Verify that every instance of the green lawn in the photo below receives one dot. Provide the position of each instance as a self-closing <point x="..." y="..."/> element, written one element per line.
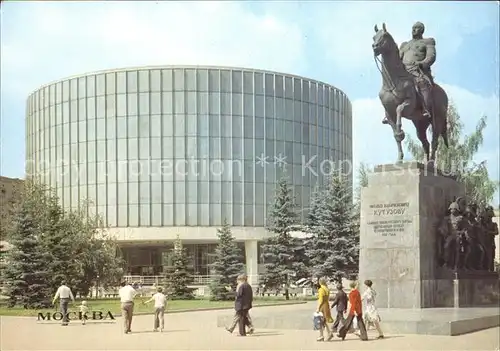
<point x="113" y="305"/>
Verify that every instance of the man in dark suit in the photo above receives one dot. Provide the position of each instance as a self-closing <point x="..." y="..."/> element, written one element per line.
<point x="243" y="303"/>
<point x="340" y="302"/>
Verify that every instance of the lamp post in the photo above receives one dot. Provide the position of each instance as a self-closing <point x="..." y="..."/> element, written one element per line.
<point x="97" y="287"/>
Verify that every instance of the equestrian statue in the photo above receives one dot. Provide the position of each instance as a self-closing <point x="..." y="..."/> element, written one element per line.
<point x="408" y="88"/>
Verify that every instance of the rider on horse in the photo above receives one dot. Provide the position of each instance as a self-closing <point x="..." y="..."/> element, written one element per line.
<point x="418" y="55"/>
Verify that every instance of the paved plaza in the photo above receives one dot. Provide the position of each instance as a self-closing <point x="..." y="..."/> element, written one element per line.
<point x="198" y="331"/>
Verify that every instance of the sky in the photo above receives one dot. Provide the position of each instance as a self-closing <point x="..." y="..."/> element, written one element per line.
<point x="327" y="41"/>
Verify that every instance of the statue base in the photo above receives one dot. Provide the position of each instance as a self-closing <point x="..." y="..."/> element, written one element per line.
<point x="400" y="210"/>
<point x="426" y="321"/>
<point x="464" y="288"/>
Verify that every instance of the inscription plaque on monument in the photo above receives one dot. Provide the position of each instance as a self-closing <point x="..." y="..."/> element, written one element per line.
<point x="389" y="218"/>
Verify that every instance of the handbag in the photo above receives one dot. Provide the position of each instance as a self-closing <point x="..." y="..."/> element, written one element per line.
<point x="317" y="321"/>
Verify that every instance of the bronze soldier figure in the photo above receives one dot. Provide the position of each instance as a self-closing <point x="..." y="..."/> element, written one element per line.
<point x="418" y="55"/>
<point x="451" y="230"/>
<point x="490" y="230"/>
<point x="454" y="246"/>
<point x="475" y="253"/>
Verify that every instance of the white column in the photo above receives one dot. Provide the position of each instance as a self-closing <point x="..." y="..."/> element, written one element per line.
<point x="252" y="261"/>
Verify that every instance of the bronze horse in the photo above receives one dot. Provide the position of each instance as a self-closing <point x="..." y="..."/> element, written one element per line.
<point x="401" y="99"/>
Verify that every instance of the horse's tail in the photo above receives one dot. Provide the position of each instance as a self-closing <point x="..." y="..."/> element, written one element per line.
<point x="444" y="133"/>
<point x="444" y="111"/>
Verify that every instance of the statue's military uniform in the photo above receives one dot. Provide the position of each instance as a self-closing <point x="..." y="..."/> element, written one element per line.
<point x="455" y="225"/>
<point x="490" y="230"/>
<point x="418" y="55"/>
<point x="423" y="51"/>
<point x="475" y="256"/>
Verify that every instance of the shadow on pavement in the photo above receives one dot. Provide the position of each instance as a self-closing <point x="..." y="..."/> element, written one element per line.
<point x="163" y="332"/>
<point x="389" y="337"/>
<point x="265" y="334"/>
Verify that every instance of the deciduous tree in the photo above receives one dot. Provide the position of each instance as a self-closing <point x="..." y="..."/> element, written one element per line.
<point x="459" y="159"/>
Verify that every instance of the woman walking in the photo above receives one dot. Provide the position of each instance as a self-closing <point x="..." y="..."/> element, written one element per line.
<point x="371" y="313"/>
<point x="324" y="308"/>
<point x="355" y="311"/>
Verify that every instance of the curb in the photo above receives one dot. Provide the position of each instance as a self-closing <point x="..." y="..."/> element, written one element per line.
<point x="215" y="308"/>
<point x="190" y="310"/>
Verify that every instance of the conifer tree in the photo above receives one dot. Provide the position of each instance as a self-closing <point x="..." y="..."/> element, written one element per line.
<point x="73" y="246"/>
<point x="280" y="251"/>
<point x="227" y="266"/>
<point x="179" y="278"/>
<point x="58" y="240"/>
<point x="333" y="246"/>
<point x="26" y="274"/>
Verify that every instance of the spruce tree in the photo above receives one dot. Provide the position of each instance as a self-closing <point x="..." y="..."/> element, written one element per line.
<point x="227" y="266"/>
<point x="179" y="279"/>
<point x="26" y="275"/>
<point x="333" y="246"/>
<point x="281" y="252"/>
<point x="75" y="248"/>
<point x="59" y="240"/>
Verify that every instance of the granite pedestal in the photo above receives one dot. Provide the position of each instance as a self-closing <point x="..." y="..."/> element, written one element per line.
<point x="400" y="210"/>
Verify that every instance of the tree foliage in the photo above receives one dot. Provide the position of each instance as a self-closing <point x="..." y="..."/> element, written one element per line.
<point x="282" y="254"/>
<point x="459" y="158"/>
<point x="363" y="171"/>
<point x="26" y="273"/>
<point x="100" y="258"/>
<point x="179" y="278"/>
<point x="333" y="246"/>
<point x="73" y="244"/>
<point x="227" y="266"/>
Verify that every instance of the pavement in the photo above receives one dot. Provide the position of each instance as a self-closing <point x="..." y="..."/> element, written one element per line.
<point x="198" y="331"/>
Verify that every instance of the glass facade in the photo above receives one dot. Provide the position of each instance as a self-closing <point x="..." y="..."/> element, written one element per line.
<point x="156" y="260"/>
<point x="185" y="146"/>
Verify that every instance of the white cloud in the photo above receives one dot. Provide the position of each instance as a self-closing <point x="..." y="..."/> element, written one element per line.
<point x="81" y="37"/>
<point x="347" y="28"/>
<point x="48" y="41"/>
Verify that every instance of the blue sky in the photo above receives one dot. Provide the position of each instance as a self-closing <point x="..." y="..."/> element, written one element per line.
<point x="329" y="41"/>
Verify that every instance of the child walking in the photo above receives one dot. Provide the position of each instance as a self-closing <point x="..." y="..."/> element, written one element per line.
<point x="83" y="309"/>
<point x="160" y="303"/>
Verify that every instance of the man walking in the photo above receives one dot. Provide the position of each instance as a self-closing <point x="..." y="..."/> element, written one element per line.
<point x="127" y="294"/>
<point x="340" y="302"/>
<point x="243" y="303"/>
<point x="64" y="294"/>
<point x="160" y="302"/>
<point x="248" y="320"/>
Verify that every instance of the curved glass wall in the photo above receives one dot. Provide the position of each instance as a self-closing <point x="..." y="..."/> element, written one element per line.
<point x="185" y="146"/>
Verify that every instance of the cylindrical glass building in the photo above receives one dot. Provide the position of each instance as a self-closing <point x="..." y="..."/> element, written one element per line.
<point x="162" y="151"/>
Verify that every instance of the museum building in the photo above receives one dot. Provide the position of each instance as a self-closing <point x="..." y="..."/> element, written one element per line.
<point x="171" y="151"/>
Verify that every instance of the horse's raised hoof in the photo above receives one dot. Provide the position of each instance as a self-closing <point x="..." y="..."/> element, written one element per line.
<point x="385" y="121"/>
<point x="399" y="136"/>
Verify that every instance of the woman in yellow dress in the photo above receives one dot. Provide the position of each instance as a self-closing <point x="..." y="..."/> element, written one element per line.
<point x="324" y="308"/>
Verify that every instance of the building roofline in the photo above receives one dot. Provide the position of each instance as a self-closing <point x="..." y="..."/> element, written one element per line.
<point x="140" y="68"/>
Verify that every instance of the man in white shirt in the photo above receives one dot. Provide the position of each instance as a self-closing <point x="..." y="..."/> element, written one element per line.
<point x="160" y="302"/>
<point x="127" y="294"/>
<point x="64" y="294"/>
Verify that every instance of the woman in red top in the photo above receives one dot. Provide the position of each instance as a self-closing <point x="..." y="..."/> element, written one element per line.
<point x="355" y="310"/>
